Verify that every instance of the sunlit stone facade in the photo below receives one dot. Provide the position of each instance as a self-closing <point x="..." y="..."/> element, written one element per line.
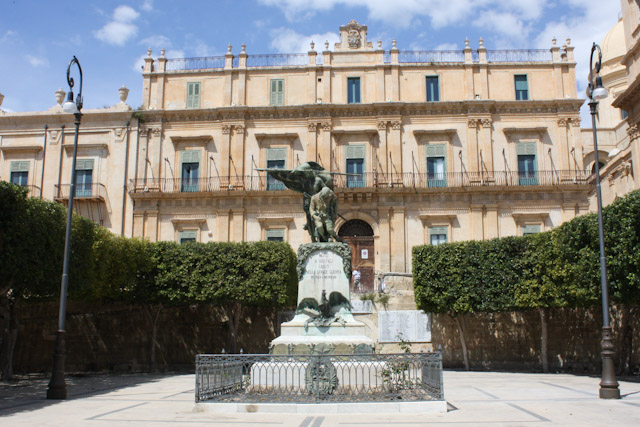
<point x="428" y="147"/>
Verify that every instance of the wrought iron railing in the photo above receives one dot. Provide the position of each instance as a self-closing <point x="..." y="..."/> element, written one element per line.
<point x="523" y="55"/>
<point x="428" y="56"/>
<point x="307" y="378"/>
<point x="202" y="63"/>
<point x="278" y="60"/>
<point x="82" y="191"/>
<point x="34" y="191"/>
<point x="371" y="180"/>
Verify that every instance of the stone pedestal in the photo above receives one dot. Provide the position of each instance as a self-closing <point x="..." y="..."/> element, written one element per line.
<point x="323" y="267"/>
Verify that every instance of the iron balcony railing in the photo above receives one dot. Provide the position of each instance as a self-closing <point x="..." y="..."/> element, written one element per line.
<point x="406" y="57"/>
<point x="82" y="191"/>
<point x="429" y="56"/>
<point x="371" y="180"/>
<point x="314" y="378"/>
<point x="525" y="55"/>
<point x="202" y="63"/>
<point x="278" y="60"/>
<point x="34" y="191"/>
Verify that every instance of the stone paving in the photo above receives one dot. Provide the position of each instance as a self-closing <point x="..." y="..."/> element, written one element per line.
<point x="474" y="398"/>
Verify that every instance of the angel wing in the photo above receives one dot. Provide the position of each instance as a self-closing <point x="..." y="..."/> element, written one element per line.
<point x="306" y="304"/>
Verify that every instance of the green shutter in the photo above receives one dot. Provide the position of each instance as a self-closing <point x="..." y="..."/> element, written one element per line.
<point x="84" y="164"/>
<point x="355" y="152"/>
<point x="439" y="150"/>
<point x="438" y="230"/>
<point x="277" y="92"/>
<point x="193" y="95"/>
<point x="530" y="229"/>
<point x="521" y="82"/>
<point x="191" y="156"/>
<point x="277" y="154"/>
<point x="523" y="148"/>
<point x="188" y="235"/>
<point x="275" y="234"/>
<point x="19" y="166"/>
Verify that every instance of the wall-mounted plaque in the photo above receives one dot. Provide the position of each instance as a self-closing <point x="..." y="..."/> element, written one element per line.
<point x="408" y="325"/>
<point x="364" y="254"/>
<point x="359" y="306"/>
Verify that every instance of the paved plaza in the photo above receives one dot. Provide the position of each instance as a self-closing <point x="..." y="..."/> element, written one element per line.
<point x="474" y="398"/>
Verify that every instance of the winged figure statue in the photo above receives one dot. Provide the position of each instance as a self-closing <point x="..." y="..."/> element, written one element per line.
<point x="326" y="312"/>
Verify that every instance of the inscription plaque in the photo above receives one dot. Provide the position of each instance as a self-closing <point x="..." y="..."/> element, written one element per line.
<point x="409" y="325"/>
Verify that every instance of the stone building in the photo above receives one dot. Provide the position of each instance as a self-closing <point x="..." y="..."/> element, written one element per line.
<point x="427" y="147"/>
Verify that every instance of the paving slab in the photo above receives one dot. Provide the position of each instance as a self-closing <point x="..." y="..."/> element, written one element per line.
<point x="473" y="398"/>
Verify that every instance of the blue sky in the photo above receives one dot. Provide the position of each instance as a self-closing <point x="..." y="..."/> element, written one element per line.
<point x="110" y="38"/>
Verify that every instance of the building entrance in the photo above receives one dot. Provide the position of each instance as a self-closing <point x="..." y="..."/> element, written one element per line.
<point x="359" y="235"/>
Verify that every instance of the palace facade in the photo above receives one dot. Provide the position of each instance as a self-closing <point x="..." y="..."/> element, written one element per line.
<point x="427" y="147"/>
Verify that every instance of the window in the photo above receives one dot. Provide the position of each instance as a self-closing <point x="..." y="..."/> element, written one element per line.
<point x="354" y="154"/>
<point x="353" y="90"/>
<point x="20" y="173"/>
<point x="190" y="171"/>
<point x="433" y="92"/>
<point x="277" y="92"/>
<point x="84" y="177"/>
<point x="437" y="235"/>
<point x="436" y="166"/>
<point x="193" y="95"/>
<point x="275" y="235"/>
<point x="276" y="159"/>
<point x="188" y="236"/>
<point x="527" y="170"/>
<point x="522" y="87"/>
<point x="528" y="230"/>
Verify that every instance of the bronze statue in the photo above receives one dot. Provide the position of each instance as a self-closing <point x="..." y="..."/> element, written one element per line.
<point x="319" y="201"/>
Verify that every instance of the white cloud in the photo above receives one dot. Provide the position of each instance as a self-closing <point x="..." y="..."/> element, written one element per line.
<point x="37" y="61"/>
<point x="169" y="54"/>
<point x="147" y="5"/>
<point x="121" y="28"/>
<point x="156" y="41"/>
<point x="10" y="34"/>
<point x="286" y="40"/>
<point x="503" y="23"/>
<point x="447" y="46"/>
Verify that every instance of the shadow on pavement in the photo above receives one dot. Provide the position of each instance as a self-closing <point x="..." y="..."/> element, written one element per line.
<point x="28" y="394"/>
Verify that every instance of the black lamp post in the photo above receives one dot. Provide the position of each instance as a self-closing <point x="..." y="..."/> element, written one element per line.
<point x="57" y="386"/>
<point x="608" y="384"/>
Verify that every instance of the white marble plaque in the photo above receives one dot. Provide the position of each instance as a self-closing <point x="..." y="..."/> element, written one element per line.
<point x="410" y="325"/>
<point x="323" y="271"/>
<point x="359" y="306"/>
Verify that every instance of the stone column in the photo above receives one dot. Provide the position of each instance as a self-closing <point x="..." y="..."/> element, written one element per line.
<point x="324" y="149"/>
<point x="487" y="144"/>
<point x="236" y="233"/>
<point x="563" y="145"/>
<point x="154" y="154"/>
<point x="225" y="151"/>
<point x="312" y="145"/>
<point x="397" y="246"/>
<point x="396" y="149"/>
<point x="476" y="222"/>
<point x="493" y="226"/>
<point x="383" y="151"/>
<point x="222" y="225"/>
<point x="237" y="153"/>
<point x="228" y="77"/>
<point x="472" y="145"/>
<point x="385" y="238"/>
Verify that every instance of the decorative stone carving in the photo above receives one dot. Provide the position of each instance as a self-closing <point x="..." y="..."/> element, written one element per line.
<point x="633" y="131"/>
<point x="226" y="129"/>
<point x="156" y="132"/>
<point x="472" y="123"/>
<point x="239" y="129"/>
<point x="341" y="249"/>
<point x="486" y="123"/>
<point x="353" y="36"/>
<point x="382" y="125"/>
<point x="312" y="127"/>
<point x="123" y="93"/>
<point x="396" y="125"/>
<point x="59" y="96"/>
<point x="326" y="127"/>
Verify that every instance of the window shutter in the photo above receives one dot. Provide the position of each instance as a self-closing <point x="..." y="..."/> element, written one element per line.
<point x="193" y="95"/>
<point x="191" y="156"/>
<point x="84" y="164"/>
<point x="276" y="154"/>
<point x="275" y="234"/>
<point x="355" y="151"/>
<point x="277" y="92"/>
<point x="19" y="166"/>
<point x="521" y="82"/>
<point x="530" y="229"/>
<point x="280" y="91"/>
<point x="436" y="150"/>
<point x="438" y="230"/>
<point x="524" y="148"/>
<point x="189" y="234"/>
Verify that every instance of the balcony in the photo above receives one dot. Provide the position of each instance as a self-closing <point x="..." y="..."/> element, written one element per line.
<point x="96" y="192"/>
<point x="370" y="180"/>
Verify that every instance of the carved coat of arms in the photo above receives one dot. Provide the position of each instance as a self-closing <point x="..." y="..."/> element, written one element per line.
<point x="354" y="38"/>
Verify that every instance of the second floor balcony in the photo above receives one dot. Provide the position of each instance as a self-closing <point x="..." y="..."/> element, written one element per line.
<point x="88" y="191"/>
<point x="371" y="180"/>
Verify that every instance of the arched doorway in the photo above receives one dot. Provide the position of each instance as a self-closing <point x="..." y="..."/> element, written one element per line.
<point x="359" y="235"/>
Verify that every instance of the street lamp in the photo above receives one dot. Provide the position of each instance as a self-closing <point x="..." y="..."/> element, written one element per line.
<point x="57" y="386"/>
<point x="608" y="384"/>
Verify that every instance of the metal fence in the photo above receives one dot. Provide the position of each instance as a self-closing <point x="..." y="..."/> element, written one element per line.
<point x="260" y="182"/>
<point x="429" y="56"/>
<point x="202" y="63"/>
<point x="278" y="60"/>
<point x="309" y="378"/>
<point x="82" y="191"/>
<point x="522" y="55"/>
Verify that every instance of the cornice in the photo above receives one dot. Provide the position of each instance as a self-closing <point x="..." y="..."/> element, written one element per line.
<point x="629" y="96"/>
<point x="379" y="109"/>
